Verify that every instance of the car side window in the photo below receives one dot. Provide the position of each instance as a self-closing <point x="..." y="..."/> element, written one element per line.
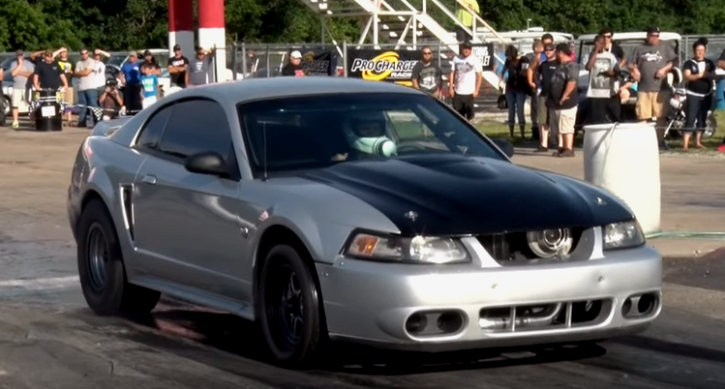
<point x="151" y="132"/>
<point x="197" y="126"/>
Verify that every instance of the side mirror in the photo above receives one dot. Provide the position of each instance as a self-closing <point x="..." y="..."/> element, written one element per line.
<point x="207" y="163"/>
<point x="505" y="146"/>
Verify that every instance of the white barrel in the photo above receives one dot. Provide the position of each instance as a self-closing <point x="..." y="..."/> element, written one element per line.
<point x="624" y="159"/>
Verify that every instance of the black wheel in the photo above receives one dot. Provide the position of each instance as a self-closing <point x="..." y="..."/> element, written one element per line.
<point x="289" y="308"/>
<point x="101" y="270"/>
<point x="711" y="127"/>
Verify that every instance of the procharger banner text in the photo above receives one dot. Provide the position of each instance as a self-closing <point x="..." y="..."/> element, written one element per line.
<point x="318" y="61"/>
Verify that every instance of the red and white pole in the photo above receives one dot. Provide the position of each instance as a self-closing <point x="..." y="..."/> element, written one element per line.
<point x="212" y="34"/>
<point x="181" y="26"/>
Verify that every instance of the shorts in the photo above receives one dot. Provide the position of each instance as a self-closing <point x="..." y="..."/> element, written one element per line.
<point x="148" y="101"/>
<point x="562" y="121"/>
<point x="542" y="113"/>
<point x="651" y="105"/>
<point x="19" y="99"/>
<point x="463" y="104"/>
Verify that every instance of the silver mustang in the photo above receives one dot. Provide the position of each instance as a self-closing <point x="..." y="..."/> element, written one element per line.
<point x="348" y="210"/>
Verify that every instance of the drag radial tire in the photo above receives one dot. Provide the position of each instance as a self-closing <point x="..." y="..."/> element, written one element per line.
<point x="101" y="269"/>
<point x="289" y="308"/>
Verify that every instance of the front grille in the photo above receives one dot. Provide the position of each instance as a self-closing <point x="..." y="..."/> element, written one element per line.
<point x="542" y="317"/>
<point x="513" y="248"/>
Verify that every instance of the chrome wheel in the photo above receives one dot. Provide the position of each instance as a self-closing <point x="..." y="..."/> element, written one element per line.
<point x="97" y="257"/>
<point x="286" y="308"/>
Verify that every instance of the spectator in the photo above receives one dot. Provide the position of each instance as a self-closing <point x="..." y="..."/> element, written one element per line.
<point x="605" y="105"/>
<point x="131" y="78"/>
<point x="149" y="62"/>
<point x="562" y="98"/>
<point x="464" y="14"/>
<point x="653" y="60"/>
<point x="150" y="86"/>
<point x="517" y="87"/>
<point x="69" y="98"/>
<point x="98" y="54"/>
<point x="294" y="67"/>
<point x="178" y="66"/>
<point x="86" y="72"/>
<point x="538" y="49"/>
<point x="21" y="70"/>
<point x="48" y="74"/>
<point x="611" y="47"/>
<point x="544" y="74"/>
<point x="36" y="57"/>
<point x="698" y="71"/>
<point x="252" y="61"/>
<point x="426" y="75"/>
<point x="465" y="79"/>
<point x="546" y="39"/>
<point x="200" y="67"/>
<point x="721" y="65"/>
<point x="111" y="100"/>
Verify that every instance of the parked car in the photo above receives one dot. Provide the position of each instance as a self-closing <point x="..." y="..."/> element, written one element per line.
<point x="340" y="209"/>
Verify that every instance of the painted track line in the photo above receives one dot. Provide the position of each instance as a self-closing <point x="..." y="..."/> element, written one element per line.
<point x="38" y="284"/>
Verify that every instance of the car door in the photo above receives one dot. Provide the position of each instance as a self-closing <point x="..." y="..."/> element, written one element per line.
<point x="187" y="224"/>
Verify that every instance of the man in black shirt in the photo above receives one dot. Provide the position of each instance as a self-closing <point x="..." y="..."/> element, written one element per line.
<point x="178" y="65"/>
<point x="563" y="99"/>
<point x="426" y="75"/>
<point x="48" y="74"/>
<point x="294" y="67"/>
<point x="543" y="73"/>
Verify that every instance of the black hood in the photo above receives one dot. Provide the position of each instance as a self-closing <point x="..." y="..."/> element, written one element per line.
<point x="456" y="195"/>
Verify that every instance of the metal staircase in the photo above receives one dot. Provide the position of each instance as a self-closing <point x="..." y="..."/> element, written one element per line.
<point x="406" y="23"/>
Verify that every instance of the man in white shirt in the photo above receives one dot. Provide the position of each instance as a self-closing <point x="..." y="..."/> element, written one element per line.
<point x="100" y="72"/>
<point x="465" y="80"/>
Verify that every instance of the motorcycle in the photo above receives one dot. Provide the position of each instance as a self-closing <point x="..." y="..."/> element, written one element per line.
<point x="677" y="116"/>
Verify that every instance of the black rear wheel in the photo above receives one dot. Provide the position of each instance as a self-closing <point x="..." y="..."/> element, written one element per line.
<point x="289" y="308"/>
<point x="101" y="269"/>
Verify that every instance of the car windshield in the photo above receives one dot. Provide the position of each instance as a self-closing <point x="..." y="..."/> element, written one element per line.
<point x="627" y="46"/>
<point x="317" y="131"/>
<point x="117" y="59"/>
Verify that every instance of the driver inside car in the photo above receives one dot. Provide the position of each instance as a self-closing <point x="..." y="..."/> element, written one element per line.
<point x="367" y="138"/>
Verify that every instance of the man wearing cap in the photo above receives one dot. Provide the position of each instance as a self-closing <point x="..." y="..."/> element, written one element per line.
<point x="465" y="80"/>
<point x="85" y="72"/>
<point x="294" y="67"/>
<point x="653" y="60"/>
<point x="21" y="70"/>
<point x="178" y="68"/>
<point x="563" y="100"/>
<point x="131" y="77"/>
<point x="541" y="83"/>
<point x="199" y="67"/>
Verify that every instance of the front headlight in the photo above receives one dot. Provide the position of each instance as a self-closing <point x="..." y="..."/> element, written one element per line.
<point x="623" y="235"/>
<point x="419" y="249"/>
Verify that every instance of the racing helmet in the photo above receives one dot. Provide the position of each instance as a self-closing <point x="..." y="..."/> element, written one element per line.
<point x="366" y="133"/>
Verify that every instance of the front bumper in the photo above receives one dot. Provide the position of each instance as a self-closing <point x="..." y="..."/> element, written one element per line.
<point x="370" y="303"/>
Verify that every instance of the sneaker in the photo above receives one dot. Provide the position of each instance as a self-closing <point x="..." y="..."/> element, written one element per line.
<point x="566" y="153"/>
<point x="16" y="124"/>
<point x="721" y="149"/>
<point x="542" y="149"/>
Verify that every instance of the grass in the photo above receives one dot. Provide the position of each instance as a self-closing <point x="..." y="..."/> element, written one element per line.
<point x="500" y="130"/>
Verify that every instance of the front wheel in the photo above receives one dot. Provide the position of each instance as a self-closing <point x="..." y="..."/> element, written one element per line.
<point x="289" y="307"/>
<point x="101" y="269"/>
<point x="711" y="127"/>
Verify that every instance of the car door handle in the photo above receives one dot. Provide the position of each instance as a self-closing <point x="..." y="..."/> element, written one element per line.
<point x="149" y="179"/>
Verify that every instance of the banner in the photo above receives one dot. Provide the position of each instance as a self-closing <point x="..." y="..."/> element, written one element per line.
<point x="318" y="61"/>
<point x="485" y="52"/>
<point x="382" y="65"/>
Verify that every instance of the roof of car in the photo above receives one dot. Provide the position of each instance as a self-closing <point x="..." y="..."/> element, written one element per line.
<point x="665" y="36"/>
<point x="263" y="88"/>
